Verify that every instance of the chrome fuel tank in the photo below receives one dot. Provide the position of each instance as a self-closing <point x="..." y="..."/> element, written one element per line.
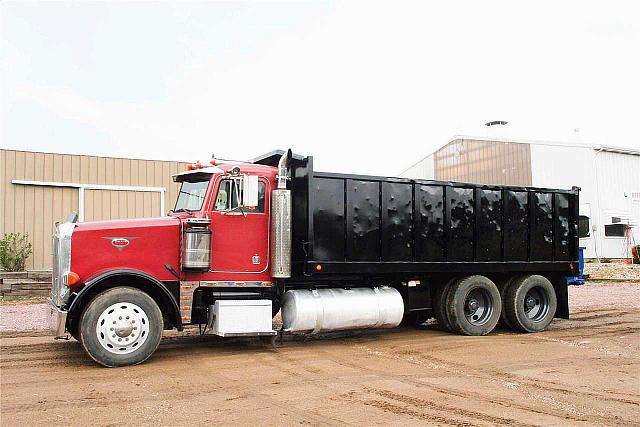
<point x="324" y="310"/>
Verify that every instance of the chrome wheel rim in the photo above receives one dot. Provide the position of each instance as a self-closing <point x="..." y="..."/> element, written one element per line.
<point x="536" y="304"/>
<point x="122" y="328"/>
<point x="478" y="306"/>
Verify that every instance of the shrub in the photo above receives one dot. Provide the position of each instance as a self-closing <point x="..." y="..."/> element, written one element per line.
<point x="15" y="248"/>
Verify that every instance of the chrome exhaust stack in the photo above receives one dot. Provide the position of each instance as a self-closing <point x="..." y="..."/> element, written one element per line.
<point x="281" y="222"/>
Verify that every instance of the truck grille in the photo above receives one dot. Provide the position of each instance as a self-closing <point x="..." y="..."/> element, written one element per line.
<point x="61" y="262"/>
<point x="55" y="268"/>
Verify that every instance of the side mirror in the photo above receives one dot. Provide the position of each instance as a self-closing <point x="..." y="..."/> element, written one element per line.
<point x="250" y="190"/>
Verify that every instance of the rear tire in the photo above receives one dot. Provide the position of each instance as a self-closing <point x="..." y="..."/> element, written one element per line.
<point x="503" y="287"/>
<point x="473" y="306"/>
<point x="440" y="304"/>
<point x="121" y="326"/>
<point x="530" y="303"/>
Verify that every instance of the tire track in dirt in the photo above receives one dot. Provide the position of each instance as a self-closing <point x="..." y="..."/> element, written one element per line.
<point x="420" y="403"/>
<point x="448" y="392"/>
<point x="529" y="389"/>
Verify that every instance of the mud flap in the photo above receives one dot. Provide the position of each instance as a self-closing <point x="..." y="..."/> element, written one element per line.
<point x="562" y="295"/>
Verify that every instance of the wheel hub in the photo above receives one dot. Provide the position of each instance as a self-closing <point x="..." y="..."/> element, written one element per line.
<point x="536" y="304"/>
<point x="529" y="303"/>
<point x="122" y="327"/>
<point x="478" y="306"/>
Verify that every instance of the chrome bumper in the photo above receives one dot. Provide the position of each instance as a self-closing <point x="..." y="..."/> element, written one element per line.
<point x="57" y="320"/>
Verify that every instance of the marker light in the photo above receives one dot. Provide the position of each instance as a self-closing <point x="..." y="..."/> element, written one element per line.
<point x="213" y="162"/>
<point x="72" y="278"/>
<point x="190" y="167"/>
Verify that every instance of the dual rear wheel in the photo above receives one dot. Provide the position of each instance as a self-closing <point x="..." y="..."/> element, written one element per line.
<point x="473" y="305"/>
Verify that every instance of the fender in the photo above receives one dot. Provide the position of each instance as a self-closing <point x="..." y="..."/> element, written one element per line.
<point x="96" y="280"/>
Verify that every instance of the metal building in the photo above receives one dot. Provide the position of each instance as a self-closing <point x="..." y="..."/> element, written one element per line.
<point x="608" y="176"/>
<point x="37" y="189"/>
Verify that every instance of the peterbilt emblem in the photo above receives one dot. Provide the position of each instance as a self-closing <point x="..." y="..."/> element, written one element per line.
<point x="120" y="242"/>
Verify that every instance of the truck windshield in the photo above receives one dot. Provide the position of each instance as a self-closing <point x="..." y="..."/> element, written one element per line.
<point x="191" y="196"/>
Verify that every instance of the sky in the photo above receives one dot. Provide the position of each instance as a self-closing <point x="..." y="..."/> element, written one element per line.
<point x="365" y="87"/>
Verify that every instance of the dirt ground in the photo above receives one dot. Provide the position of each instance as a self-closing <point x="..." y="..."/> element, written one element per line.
<point x="585" y="371"/>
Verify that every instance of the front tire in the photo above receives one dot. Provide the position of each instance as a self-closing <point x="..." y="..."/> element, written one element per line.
<point x="121" y="326"/>
<point x="530" y="303"/>
<point x="473" y="306"/>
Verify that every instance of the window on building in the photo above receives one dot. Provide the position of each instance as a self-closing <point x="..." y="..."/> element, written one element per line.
<point x="615" y="230"/>
<point x="227" y="198"/>
<point x="584" y="228"/>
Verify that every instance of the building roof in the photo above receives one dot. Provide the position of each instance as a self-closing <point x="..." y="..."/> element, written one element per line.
<point x="597" y="147"/>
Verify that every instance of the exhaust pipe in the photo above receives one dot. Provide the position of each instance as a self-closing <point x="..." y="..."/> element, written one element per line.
<point x="281" y="222"/>
<point x="283" y="166"/>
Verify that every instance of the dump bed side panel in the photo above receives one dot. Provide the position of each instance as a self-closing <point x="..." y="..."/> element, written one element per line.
<point x="347" y="224"/>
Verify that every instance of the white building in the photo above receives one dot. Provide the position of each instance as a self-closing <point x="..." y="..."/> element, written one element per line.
<point x="609" y="178"/>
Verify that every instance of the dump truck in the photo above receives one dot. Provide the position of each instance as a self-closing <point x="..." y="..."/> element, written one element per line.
<point x="330" y="251"/>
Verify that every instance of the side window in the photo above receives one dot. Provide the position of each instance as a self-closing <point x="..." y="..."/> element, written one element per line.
<point x="227" y="197"/>
<point x="584" y="229"/>
<point x="615" y="230"/>
<point x="261" y="195"/>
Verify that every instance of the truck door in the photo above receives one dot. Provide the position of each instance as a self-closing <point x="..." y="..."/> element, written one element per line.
<point x="240" y="240"/>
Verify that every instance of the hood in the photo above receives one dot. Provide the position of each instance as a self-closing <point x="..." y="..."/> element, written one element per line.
<point x="119" y="224"/>
<point x="142" y="244"/>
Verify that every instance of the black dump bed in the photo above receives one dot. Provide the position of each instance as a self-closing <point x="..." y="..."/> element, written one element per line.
<point x="367" y="225"/>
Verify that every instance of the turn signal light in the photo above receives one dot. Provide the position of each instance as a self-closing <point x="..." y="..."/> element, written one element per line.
<point x="189" y="167"/>
<point x="213" y="162"/>
<point x="72" y="278"/>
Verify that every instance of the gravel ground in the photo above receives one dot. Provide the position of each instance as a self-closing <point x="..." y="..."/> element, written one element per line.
<point x="23" y="317"/>
<point x="612" y="270"/>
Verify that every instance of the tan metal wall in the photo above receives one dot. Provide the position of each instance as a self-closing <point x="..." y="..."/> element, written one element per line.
<point x="34" y="209"/>
<point x="485" y="162"/>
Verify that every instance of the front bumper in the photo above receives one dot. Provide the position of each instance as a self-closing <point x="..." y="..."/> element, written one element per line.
<point x="57" y="321"/>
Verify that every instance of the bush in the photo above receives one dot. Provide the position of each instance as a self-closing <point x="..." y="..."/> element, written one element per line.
<point x="15" y="248"/>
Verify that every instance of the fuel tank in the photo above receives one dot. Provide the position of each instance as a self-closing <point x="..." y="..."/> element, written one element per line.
<point x="323" y="310"/>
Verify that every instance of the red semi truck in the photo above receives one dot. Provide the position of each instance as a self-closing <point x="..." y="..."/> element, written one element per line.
<point x="332" y="251"/>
